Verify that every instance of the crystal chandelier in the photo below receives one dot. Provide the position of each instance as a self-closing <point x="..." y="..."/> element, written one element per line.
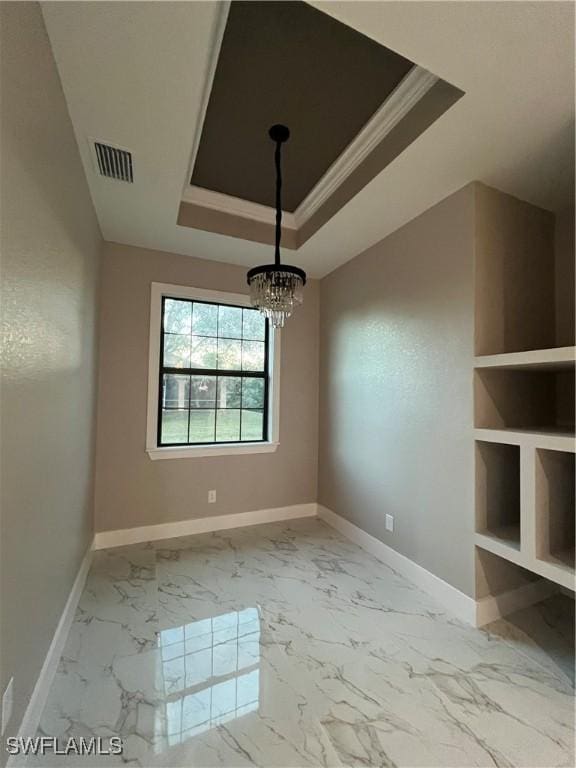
<point x="275" y="289"/>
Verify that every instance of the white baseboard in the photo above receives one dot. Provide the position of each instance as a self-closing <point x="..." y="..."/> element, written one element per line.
<point x="31" y="719"/>
<point x="456" y="602"/>
<point x="497" y="606"/>
<point x="475" y="612"/>
<point x="119" y="538"/>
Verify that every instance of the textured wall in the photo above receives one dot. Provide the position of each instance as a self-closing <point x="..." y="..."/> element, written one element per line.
<point x="565" y="268"/>
<point x="132" y="490"/>
<point x="50" y="251"/>
<point x="396" y="352"/>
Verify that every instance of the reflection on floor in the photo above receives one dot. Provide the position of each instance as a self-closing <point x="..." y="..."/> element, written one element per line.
<point x="546" y="631"/>
<point x="210" y="672"/>
<point x="287" y="645"/>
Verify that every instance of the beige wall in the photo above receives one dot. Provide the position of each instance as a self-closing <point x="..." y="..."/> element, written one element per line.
<point x="132" y="490"/>
<point x="396" y="352"/>
<point x="50" y="251"/>
<point x="565" y="258"/>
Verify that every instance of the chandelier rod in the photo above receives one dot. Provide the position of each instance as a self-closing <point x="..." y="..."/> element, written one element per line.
<point x="277" y="161"/>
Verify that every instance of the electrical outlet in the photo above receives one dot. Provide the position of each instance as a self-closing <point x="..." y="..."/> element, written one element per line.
<point x="7" y="704"/>
<point x="211" y="497"/>
<point x="389" y="522"/>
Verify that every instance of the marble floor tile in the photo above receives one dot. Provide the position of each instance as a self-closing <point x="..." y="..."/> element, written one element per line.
<point x="286" y="645"/>
<point x="545" y="632"/>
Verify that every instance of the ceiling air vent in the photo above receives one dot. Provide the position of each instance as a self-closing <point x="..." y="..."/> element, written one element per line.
<point x="114" y="163"/>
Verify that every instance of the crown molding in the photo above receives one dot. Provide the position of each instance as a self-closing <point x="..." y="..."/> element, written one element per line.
<point x="216" y="44"/>
<point x="404" y="97"/>
<point x="406" y="94"/>
<point x="235" y="206"/>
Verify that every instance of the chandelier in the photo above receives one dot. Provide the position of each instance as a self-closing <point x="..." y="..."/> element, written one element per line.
<point x="275" y="289"/>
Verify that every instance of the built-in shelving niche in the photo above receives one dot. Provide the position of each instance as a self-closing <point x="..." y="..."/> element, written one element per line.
<point x="532" y="400"/>
<point x="523" y="396"/>
<point x="555" y="509"/>
<point x="496" y="575"/>
<point x="498" y="492"/>
<point x="516" y="302"/>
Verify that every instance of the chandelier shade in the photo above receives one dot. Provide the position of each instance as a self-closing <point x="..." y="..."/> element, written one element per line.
<point x="276" y="289"/>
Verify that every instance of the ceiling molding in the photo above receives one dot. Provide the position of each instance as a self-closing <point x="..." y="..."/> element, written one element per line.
<point x="404" y="97"/>
<point x="235" y="206"/>
<point x="223" y="10"/>
<point x="407" y="93"/>
<point x="116" y="90"/>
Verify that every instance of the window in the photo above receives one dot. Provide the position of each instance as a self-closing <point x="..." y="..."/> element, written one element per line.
<point x="214" y="366"/>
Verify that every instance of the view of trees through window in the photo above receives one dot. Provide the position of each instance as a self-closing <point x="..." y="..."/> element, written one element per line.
<point x="214" y="373"/>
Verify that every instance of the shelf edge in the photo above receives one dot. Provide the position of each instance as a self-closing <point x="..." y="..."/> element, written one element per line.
<point x="563" y="576"/>
<point x="500" y="548"/>
<point x="533" y="358"/>
<point x="547" y="440"/>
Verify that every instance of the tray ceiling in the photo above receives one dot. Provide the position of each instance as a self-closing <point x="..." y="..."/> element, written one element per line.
<point x="286" y="62"/>
<point x="352" y="106"/>
<point x="137" y="76"/>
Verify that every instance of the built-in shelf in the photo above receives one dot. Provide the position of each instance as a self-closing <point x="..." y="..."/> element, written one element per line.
<point x="551" y="438"/>
<point x="555" y="509"/>
<point x="563" y="558"/>
<point x="499" y="545"/>
<point x="508" y="535"/>
<point x="498" y="495"/>
<point x="515" y="286"/>
<point x="524" y="399"/>
<point x="556" y="569"/>
<point x="505" y="535"/>
<point x="548" y="546"/>
<point x="554" y="359"/>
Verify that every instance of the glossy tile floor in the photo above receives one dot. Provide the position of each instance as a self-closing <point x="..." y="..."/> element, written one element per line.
<point x="287" y="645"/>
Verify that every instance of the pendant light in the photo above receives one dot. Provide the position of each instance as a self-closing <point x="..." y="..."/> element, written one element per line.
<point x="275" y="289"/>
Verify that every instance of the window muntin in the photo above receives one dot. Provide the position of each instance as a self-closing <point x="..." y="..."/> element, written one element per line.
<point x="214" y="374"/>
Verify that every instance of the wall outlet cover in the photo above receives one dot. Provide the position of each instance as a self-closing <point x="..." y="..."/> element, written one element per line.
<point x="211" y="497"/>
<point x="389" y="522"/>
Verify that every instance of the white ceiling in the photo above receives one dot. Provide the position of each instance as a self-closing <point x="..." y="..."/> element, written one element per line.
<point x="135" y="74"/>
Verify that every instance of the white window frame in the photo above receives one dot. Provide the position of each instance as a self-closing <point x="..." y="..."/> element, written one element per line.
<point x="158" y="290"/>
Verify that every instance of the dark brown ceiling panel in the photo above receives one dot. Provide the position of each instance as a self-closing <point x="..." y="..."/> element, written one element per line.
<point x="430" y="107"/>
<point x="286" y="62"/>
<point x="438" y="99"/>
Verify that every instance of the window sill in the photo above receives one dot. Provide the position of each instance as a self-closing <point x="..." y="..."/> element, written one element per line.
<point x="203" y="451"/>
